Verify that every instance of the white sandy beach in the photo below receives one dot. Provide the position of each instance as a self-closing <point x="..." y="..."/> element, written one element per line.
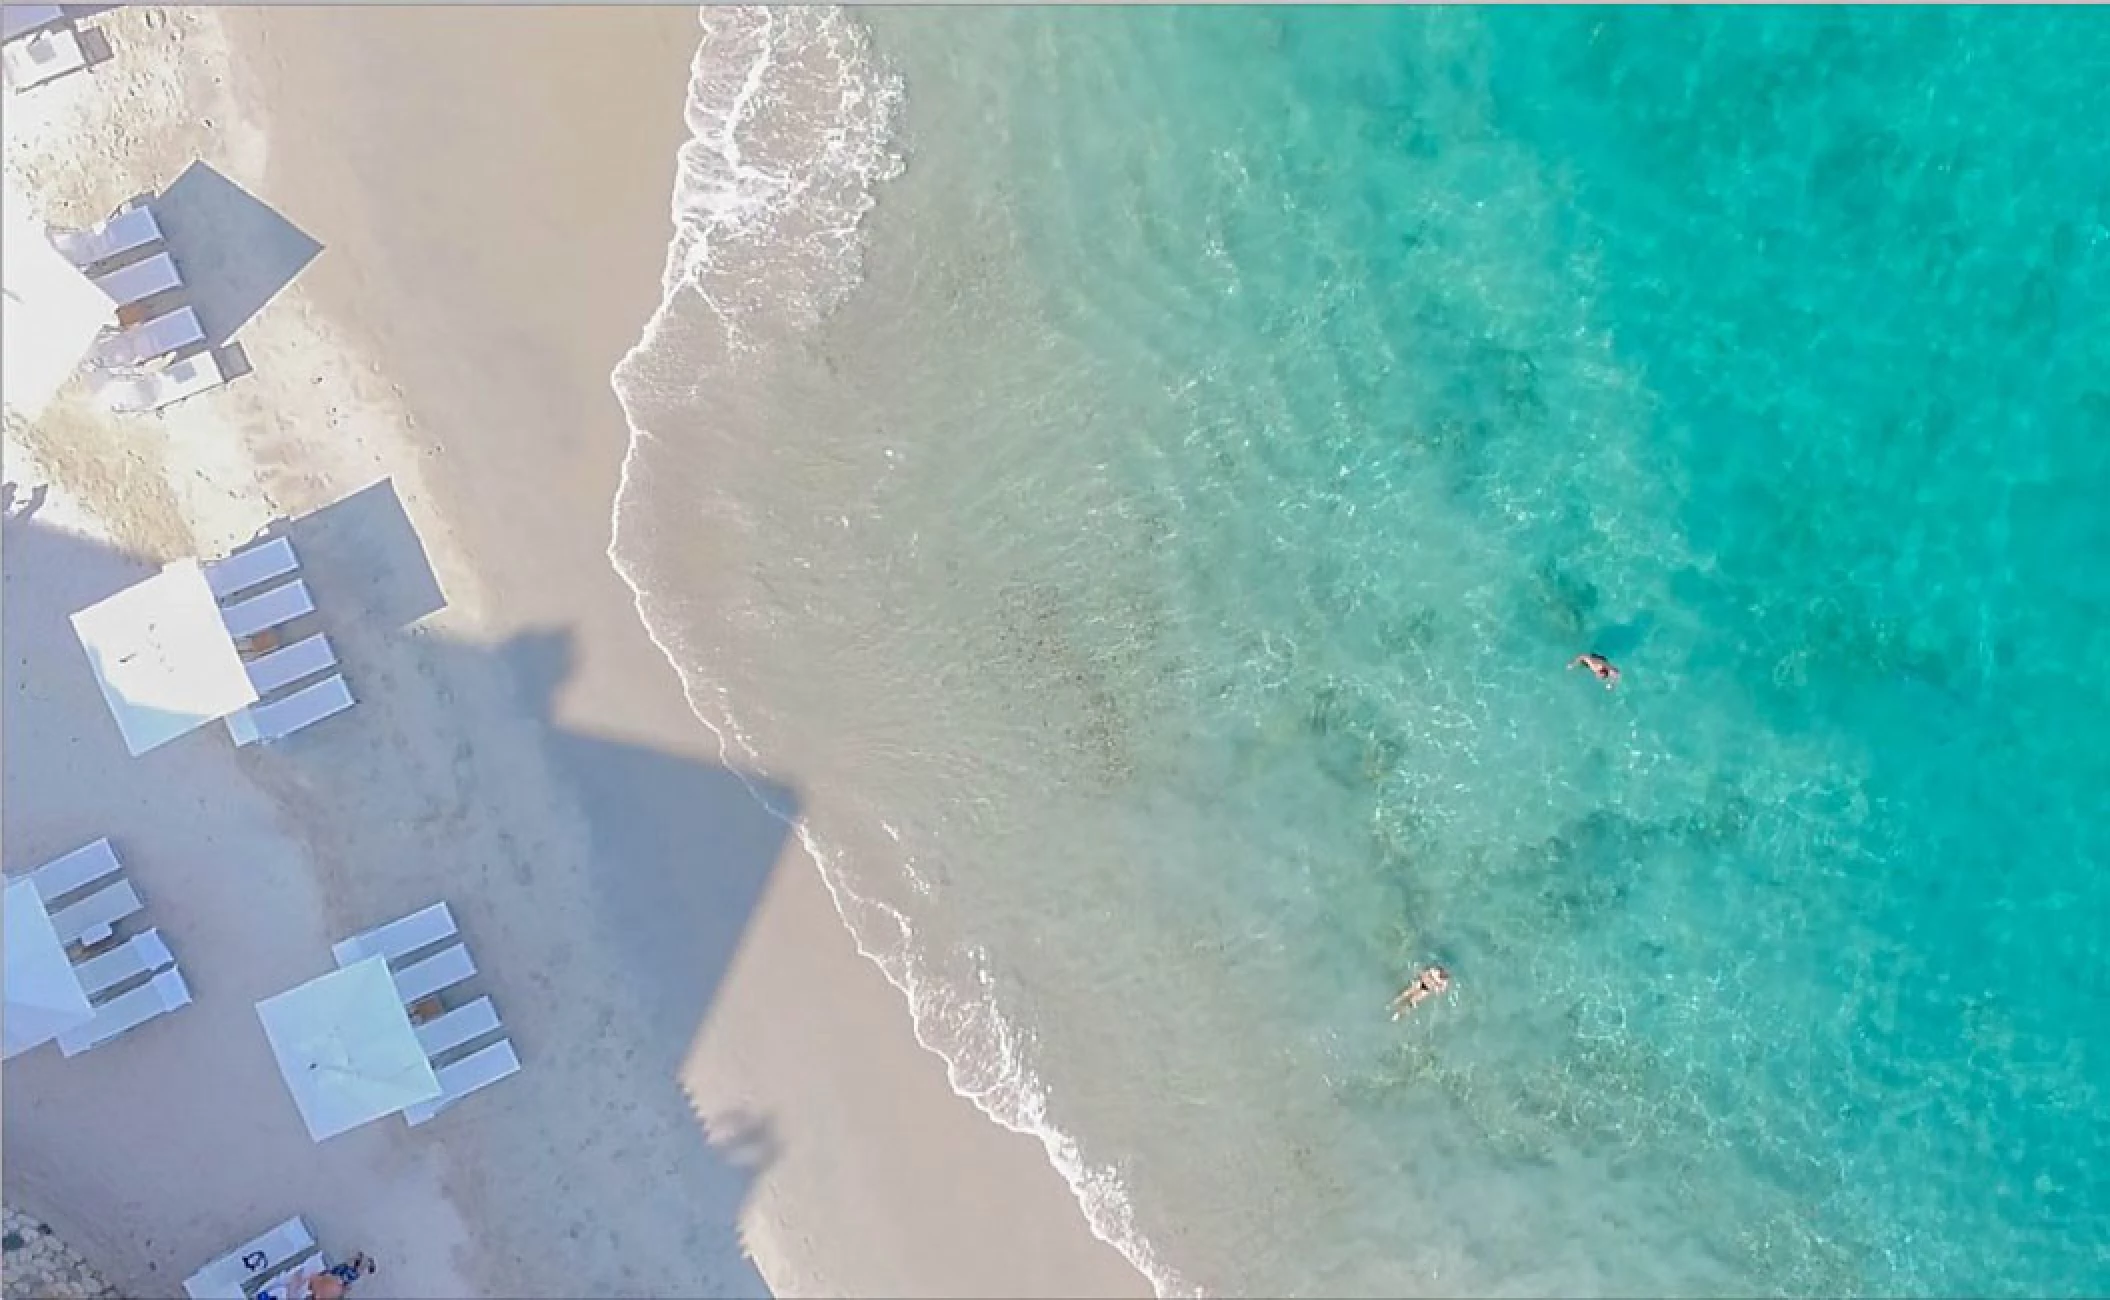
<point x="433" y="233"/>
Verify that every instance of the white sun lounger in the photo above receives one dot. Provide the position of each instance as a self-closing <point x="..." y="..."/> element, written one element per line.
<point x="155" y="338"/>
<point x="398" y="939"/>
<point x="21" y="20"/>
<point x="289" y="663"/>
<point x="134" y="394"/>
<point x="282" y="717"/>
<point x="240" y="1272"/>
<point x="94" y="918"/>
<point x="76" y="870"/>
<point x="158" y="996"/>
<point x="268" y="609"/>
<point x="142" y="954"/>
<point x="457" y="1027"/>
<point x="46" y="56"/>
<point x="139" y="281"/>
<point x="444" y="969"/>
<point x="249" y="566"/>
<point x="473" y="1072"/>
<point x="127" y="232"/>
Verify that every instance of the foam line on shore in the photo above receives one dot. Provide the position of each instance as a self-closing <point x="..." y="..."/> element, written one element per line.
<point x="761" y="228"/>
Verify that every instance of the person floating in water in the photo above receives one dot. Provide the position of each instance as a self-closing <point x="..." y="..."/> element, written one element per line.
<point x="1600" y="667"/>
<point x="1431" y="981"/>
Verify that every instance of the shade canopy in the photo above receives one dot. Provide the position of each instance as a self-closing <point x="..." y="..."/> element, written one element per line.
<point x="165" y="661"/>
<point x="347" y="1049"/>
<point x="44" y="996"/>
<point x="52" y="312"/>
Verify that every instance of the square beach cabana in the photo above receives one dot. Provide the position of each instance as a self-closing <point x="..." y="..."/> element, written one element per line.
<point x="51" y="312"/>
<point x="44" y="996"/>
<point x="164" y="657"/>
<point x="345" y="1045"/>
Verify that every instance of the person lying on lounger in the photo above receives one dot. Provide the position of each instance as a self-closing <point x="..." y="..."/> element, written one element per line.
<point x="331" y="1283"/>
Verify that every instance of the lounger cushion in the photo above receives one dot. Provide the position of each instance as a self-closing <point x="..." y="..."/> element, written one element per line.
<point x="76" y="870"/>
<point x="267" y="609"/>
<point x="472" y="1073"/>
<point x="127" y="1011"/>
<point x="444" y="969"/>
<point x="251" y="565"/>
<point x="286" y="665"/>
<point x="399" y="938"/>
<point x="97" y="912"/>
<point x="143" y="954"/>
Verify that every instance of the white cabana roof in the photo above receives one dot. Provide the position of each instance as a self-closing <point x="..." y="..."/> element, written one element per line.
<point x="347" y="1049"/>
<point x="52" y="312"/>
<point x="164" y="659"/>
<point x="44" y="997"/>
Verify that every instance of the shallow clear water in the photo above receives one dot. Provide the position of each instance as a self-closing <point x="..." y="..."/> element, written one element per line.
<point x="1152" y="538"/>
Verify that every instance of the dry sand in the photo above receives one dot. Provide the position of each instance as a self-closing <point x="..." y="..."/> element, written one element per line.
<point x="433" y="233"/>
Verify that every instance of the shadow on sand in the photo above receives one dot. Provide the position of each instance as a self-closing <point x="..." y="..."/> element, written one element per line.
<point x="364" y="561"/>
<point x="603" y="887"/>
<point x="235" y="251"/>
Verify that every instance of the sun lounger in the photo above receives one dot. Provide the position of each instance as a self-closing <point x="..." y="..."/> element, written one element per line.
<point x="282" y="717"/>
<point x="398" y="939"/>
<point x="267" y="610"/>
<point x="158" y="996"/>
<point x="91" y="920"/>
<point x="289" y="663"/>
<point x="76" y="870"/>
<point x="240" y="1272"/>
<point x="457" y="1027"/>
<point x="139" y="281"/>
<point x="444" y="969"/>
<point x="46" y="56"/>
<point x="155" y="338"/>
<point x="21" y="20"/>
<point x="143" y="954"/>
<point x="126" y="232"/>
<point x="250" y="566"/>
<point x="134" y="394"/>
<point x="473" y="1072"/>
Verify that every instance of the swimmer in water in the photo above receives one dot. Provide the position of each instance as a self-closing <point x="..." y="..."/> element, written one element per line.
<point x="1431" y="981"/>
<point x="1600" y="667"/>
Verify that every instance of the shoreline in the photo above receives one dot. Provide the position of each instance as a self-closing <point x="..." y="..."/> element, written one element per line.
<point x="492" y="231"/>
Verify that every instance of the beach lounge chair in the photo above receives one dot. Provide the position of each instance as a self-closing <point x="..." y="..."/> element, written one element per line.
<point x="126" y="232"/>
<point x="250" y="566"/>
<point x="139" y="281"/>
<point x="94" y="918"/>
<point x="458" y="1027"/>
<point x="267" y="610"/>
<point x="142" y="954"/>
<point x="249" y="1267"/>
<point x="473" y="1072"/>
<point x="282" y="717"/>
<point x="74" y="871"/>
<point x="46" y="56"/>
<point x="444" y="969"/>
<point x="21" y="20"/>
<point x="160" y="995"/>
<point x="398" y="939"/>
<point x="142" y="343"/>
<point x="138" y="393"/>
<point x="289" y="663"/>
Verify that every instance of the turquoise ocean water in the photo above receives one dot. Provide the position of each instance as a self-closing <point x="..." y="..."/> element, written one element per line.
<point x="1141" y="475"/>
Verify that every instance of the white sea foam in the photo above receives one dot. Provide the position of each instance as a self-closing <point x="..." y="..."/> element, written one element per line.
<point x="791" y="117"/>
